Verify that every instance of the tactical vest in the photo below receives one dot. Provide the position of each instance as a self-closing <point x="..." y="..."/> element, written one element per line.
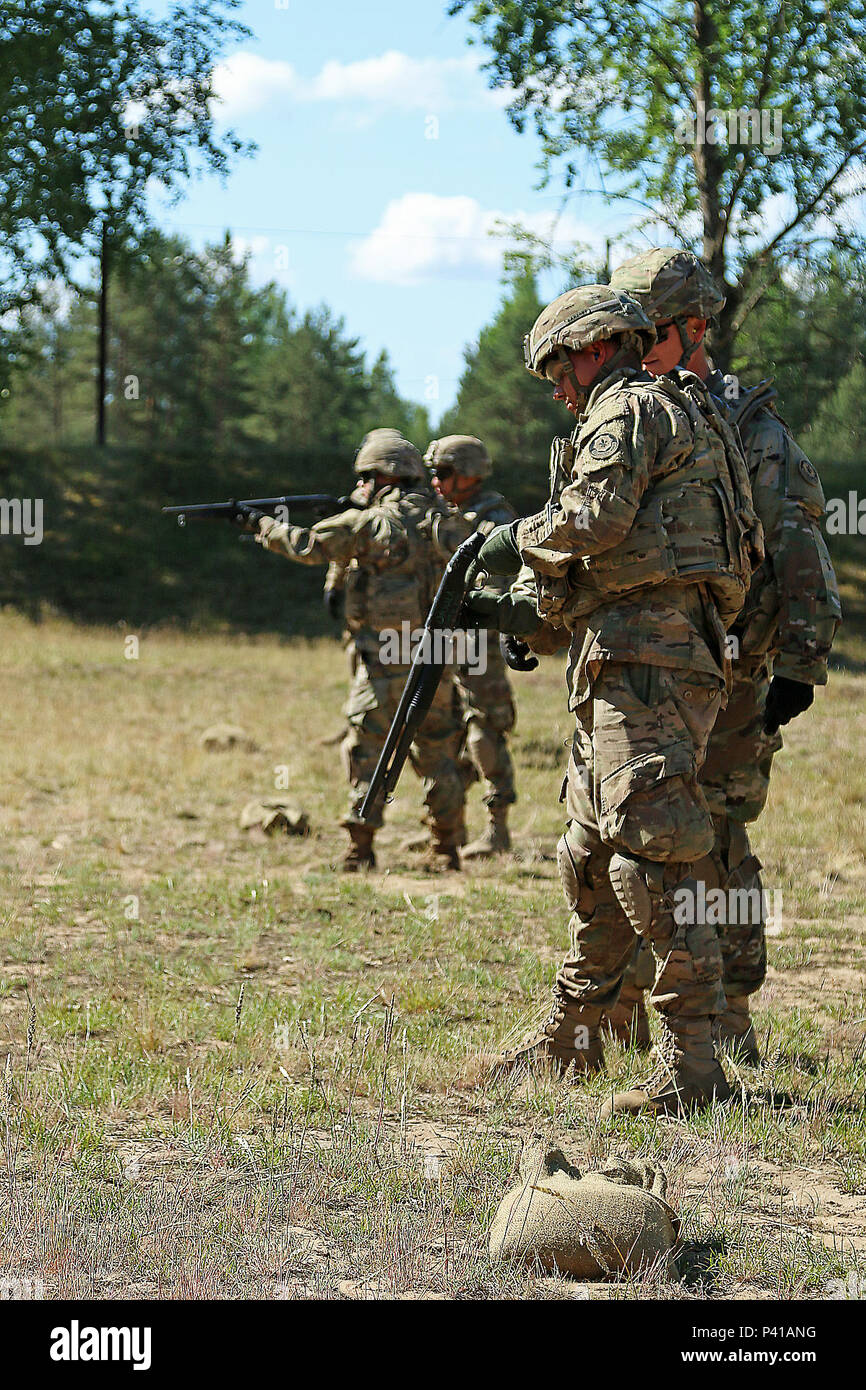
<point x="695" y="524"/>
<point x="398" y="583"/>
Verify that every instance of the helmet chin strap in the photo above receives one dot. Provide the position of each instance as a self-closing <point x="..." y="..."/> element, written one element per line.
<point x="688" y="345"/>
<point x="625" y="355"/>
<point x="581" y="392"/>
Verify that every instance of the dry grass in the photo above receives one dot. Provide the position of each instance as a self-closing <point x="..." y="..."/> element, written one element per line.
<point x="230" y="1072"/>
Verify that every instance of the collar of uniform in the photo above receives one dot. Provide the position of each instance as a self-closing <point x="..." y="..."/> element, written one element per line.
<point x="617" y="377"/>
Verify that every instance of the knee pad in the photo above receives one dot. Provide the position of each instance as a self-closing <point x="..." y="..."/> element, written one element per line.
<point x="481" y="746"/>
<point x="639" y="886"/>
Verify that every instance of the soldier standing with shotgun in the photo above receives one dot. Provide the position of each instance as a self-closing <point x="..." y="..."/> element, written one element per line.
<point x="644" y="553"/>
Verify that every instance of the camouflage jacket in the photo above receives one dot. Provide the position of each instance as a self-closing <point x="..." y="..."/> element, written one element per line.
<point x="483" y="512"/>
<point x="792" y="609"/>
<point x="394" y="552"/>
<point x="649" y="530"/>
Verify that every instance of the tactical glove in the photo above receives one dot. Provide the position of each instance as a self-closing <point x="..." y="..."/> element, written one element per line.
<point x="333" y="601"/>
<point x="516" y="653"/>
<point x="510" y="613"/>
<point x="499" y="553"/>
<point x="785" y="700"/>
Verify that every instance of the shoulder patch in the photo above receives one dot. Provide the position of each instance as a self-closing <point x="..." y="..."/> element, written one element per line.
<point x="809" y="471"/>
<point x="603" y="446"/>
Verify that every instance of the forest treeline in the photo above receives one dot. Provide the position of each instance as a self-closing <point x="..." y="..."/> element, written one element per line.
<point x="218" y="387"/>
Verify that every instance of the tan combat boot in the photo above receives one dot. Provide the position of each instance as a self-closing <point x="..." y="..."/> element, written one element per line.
<point x="494" y="840"/>
<point x="734" y="1031"/>
<point x="627" y="1021"/>
<point x="360" y="854"/>
<point x="687" y="1075"/>
<point x="568" y="1041"/>
<point x="442" y="851"/>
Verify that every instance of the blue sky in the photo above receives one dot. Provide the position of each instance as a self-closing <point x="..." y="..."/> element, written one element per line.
<point x="383" y="158"/>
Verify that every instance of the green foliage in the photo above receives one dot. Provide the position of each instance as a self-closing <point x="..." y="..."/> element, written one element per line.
<point x="809" y="333"/>
<point x="618" y="84"/>
<point x="217" y="389"/>
<point x="109" y="554"/>
<point x="502" y="404"/>
<point x="839" y="426"/>
<point x="200" y="359"/>
<point x="98" y="103"/>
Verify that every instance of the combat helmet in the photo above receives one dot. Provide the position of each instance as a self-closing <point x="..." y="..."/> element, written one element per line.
<point x="386" y="451"/>
<point x="669" y="282"/>
<point x="584" y="316"/>
<point x="462" y="453"/>
<point x="672" y="285"/>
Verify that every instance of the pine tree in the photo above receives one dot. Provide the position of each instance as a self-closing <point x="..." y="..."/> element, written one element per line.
<point x="502" y="404"/>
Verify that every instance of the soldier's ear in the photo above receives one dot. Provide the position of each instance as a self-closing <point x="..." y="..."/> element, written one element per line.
<point x="697" y="328"/>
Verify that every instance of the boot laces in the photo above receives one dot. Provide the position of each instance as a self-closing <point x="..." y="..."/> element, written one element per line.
<point x="668" y="1057"/>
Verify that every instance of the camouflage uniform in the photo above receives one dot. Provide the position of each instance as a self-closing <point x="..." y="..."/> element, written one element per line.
<point x="786" y="627"/>
<point x="394" y="552"/>
<point x="486" y="699"/>
<point x="643" y="552"/>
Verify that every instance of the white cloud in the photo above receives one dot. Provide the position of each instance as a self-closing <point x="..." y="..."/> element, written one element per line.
<point x="395" y="79"/>
<point x="247" y="82"/>
<point x="423" y="236"/>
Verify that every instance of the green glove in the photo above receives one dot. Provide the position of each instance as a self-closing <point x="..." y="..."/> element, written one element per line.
<point x="513" y="613"/>
<point x="499" y="553"/>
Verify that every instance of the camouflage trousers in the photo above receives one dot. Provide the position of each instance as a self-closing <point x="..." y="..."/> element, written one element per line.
<point x="373" y="699"/>
<point x="736" y="781"/>
<point x="632" y="787"/>
<point x="487" y="709"/>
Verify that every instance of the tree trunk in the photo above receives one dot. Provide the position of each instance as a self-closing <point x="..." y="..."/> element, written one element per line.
<point x="708" y="172"/>
<point x="102" y="367"/>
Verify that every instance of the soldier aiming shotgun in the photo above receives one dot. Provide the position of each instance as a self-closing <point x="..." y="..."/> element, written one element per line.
<point x="320" y="504"/>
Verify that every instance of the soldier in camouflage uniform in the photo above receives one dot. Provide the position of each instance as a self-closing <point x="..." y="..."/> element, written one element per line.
<point x="460" y="464"/>
<point x="780" y="642"/>
<point x="643" y="552"/>
<point x="395" y="545"/>
<point x="334" y="591"/>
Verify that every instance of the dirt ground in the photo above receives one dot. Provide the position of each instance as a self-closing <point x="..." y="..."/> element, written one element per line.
<point x="230" y="1071"/>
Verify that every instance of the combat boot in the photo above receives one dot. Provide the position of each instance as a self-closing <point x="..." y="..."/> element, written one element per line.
<point x="686" y="1077"/>
<point x="627" y="1021"/>
<point x="734" y="1031"/>
<point x="569" y="1042"/>
<point x="360" y="854"/>
<point x="494" y="840"/>
<point x="442" y="850"/>
<point x="440" y="859"/>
